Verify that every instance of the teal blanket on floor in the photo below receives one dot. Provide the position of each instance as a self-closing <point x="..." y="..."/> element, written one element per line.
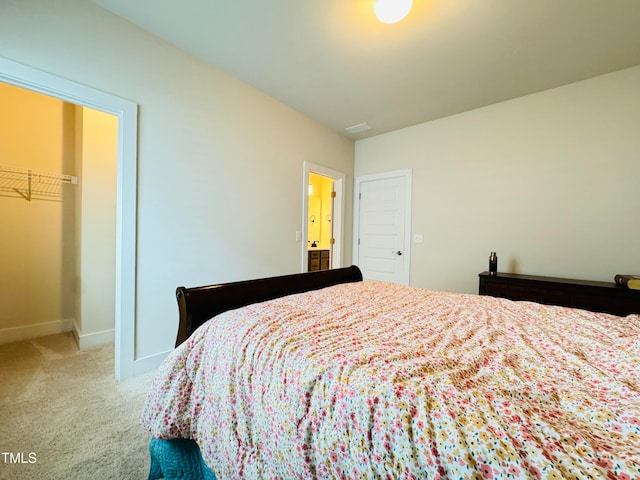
<point x="177" y="459"/>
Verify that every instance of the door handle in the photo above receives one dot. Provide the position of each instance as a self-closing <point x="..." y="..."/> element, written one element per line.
<point x="397" y="252"/>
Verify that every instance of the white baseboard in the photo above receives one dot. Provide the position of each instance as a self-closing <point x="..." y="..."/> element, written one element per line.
<point x="97" y="339"/>
<point x="29" y="332"/>
<point x="91" y="340"/>
<point x="148" y="364"/>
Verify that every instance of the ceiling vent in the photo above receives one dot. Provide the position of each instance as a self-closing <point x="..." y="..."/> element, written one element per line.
<point x="361" y="127"/>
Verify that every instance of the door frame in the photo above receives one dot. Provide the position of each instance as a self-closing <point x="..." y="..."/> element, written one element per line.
<point x="126" y="190"/>
<point x="339" y="184"/>
<point x="407" y="175"/>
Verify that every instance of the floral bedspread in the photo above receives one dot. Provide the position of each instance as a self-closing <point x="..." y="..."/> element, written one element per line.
<point x="373" y="380"/>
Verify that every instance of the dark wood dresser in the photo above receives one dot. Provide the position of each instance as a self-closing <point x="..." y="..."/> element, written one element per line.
<point x="587" y="295"/>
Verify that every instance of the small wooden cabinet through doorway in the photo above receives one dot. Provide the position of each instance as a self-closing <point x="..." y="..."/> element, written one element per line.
<point x="318" y="260"/>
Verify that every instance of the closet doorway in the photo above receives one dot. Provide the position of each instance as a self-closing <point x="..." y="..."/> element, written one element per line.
<point x="57" y="201"/>
<point x="20" y="75"/>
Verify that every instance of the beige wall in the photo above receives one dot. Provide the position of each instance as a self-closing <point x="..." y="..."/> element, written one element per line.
<point x="34" y="288"/>
<point x="220" y="165"/>
<point x="97" y="217"/>
<point x="548" y="181"/>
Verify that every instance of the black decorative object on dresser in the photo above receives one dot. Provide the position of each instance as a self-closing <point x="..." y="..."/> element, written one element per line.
<point x="594" y="296"/>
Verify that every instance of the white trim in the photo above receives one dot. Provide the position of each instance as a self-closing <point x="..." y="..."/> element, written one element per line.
<point x="339" y="186"/>
<point x="407" y="174"/>
<point x="27" y="332"/>
<point x="127" y="113"/>
<point x="92" y="340"/>
<point x="150" y="363"/>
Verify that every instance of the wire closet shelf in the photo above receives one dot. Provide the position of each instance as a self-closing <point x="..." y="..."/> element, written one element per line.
<point x="30" y="184"/>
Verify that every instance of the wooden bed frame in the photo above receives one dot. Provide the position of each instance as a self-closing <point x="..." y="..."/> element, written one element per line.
<point x="198" y="304"/>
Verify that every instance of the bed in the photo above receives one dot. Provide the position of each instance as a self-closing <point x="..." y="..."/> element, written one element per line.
<point x="323" y="375"/>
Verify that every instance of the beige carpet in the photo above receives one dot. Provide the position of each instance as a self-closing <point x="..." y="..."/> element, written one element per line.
<point x="63" y="416"/>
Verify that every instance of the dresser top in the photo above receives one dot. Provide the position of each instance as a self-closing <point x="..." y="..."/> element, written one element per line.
<point x="566" y="281"/>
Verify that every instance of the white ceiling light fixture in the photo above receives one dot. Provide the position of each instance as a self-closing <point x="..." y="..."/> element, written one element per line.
<point x="392" y="11"/>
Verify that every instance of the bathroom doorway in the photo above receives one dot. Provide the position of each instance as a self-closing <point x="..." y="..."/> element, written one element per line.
<point x="320" y="238"/>
<point x="323" y="213"/>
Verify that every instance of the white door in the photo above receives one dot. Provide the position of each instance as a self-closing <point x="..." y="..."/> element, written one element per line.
<point x="384" y="219"/>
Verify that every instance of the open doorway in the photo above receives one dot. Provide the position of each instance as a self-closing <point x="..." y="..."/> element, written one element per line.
<point x="57" y="199"/>
<point x="126" y="191"/>
<point x="323" y="214"/>
<point x="320" y="239"/>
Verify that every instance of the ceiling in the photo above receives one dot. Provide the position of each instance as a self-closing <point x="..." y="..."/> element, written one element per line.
<point x="334" y="62"/>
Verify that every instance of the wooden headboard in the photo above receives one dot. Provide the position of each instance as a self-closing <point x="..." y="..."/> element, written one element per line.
<point x="198" y="304"/>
